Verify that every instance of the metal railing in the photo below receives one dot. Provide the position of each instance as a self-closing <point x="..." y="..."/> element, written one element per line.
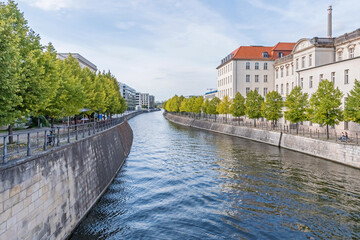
<point x="27" y="143"/>
<point x="305" y="131"/>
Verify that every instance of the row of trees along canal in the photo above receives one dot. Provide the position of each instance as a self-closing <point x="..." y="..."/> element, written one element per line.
<point x="33" y="82"/>
<point x="323" y="107"/>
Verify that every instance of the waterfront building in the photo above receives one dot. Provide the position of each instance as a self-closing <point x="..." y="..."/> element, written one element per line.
<point x="138" y="99"/>
<point x="336" y="59"/>
<point x="249" y="68"/>
<point x="210" y="95"/>
<point x="151" y="101"/>
<point x="145" y="99"/>
<point x="82" y="61"/>
<point x="129" y="94"/>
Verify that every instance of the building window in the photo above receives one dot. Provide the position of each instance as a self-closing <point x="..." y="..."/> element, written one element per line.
<point x="302" y="83"/>
<point x="287" y="88"/>
<point x="310" y="81"/>
<point x="277" y="73"/>
<point x="277" y="88"/>
<point x="292" y="69"/>
<point x="297" y="64"/>
<point x="282" y="89"/>
<point x="265" y="91"/>
<point x="346" y="76"/>
<point x="321" y="77"/>
<point x="265" y="54"/>
<point x="247" y="78"/>
<point x="265" y="66"/>
<point x="302" y="62"/>
<point x="247" y="90"/>
<point x="282" y="72"/>
<point x="333" y="77"/>
<point x="351" y="52"/>
<point x="247" y="65"/>
<point x="265" y="78"/>
<point x="256" y="78"/>
<point x="280" y="54"/>
<point x="339" y="55"/>
<point x="257" y="89"/>
<point x="310" y="60"/>
<point x="256" y="65"/>
<point x="287" y="70"/>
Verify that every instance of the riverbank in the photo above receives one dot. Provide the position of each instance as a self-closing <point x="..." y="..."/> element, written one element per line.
<point x="341" y="153"/>
<point x="45" y="196"/>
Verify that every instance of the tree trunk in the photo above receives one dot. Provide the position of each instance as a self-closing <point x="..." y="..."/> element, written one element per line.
<point x="11" y="137"/>
<point x="297" y="128"/>
<point x="327" y="131"/>
<point x="52" y="122"/>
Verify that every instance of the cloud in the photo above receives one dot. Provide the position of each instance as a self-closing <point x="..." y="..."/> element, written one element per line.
<point x="52" y="5"/>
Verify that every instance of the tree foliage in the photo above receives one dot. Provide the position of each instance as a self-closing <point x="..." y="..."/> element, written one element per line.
<point x="325" y="105"/>
<point x="212" y="109"/>
<point x="352" y="104"/>
<point x="297" y="106"/>
<point x="238" y="108"/>
<point x="272" y="107"/>
<point x="253" y="105"/>
<point x="224" y="106"/>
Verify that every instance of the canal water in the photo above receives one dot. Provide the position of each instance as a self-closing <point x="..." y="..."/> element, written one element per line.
<point x="183" y="183"/>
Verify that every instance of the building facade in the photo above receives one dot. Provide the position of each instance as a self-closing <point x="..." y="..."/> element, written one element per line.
<point x="145" y="99"/>
<point x="249" y="68"/>
<point x="82" y="61"/>
<point x="129" y="94"/>
<point x="138" y="99"/>
<point x="151" y="101"/>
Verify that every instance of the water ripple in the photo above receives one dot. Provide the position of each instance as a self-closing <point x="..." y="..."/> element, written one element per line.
<point x="182" y="183"/>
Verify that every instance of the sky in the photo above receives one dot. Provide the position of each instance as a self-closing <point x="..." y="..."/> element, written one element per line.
<point x="167" y="47"/>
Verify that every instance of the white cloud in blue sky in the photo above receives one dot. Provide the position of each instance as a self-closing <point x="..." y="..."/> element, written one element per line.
<point x="173" y="46"/>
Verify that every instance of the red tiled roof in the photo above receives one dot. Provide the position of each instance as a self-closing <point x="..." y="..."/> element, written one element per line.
<point x="284" y="46"/>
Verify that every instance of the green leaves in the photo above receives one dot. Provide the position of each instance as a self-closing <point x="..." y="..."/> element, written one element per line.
<point x="253" y="105"/>
<point x="325" y="104"/>
<point x="352" y="104"/>
<point x="238" y="108"/>
<point x="272" y="107"/>
<point x="297" y="105"/>
<point x="224" y="106"/>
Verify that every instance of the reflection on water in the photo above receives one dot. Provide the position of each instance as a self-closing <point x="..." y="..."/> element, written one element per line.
<point x="183" y="183"/>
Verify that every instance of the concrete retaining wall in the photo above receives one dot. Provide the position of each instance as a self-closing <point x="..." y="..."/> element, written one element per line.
<point x="337" y="152"/>
<point x="45" y="196"/>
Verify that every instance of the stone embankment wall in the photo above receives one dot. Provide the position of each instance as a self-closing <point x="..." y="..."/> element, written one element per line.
<point x="45" y="196"/>
<point x="337" y="152"/>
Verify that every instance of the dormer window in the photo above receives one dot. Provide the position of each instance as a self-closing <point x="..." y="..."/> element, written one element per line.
<point x="280" y="54"/>
<point x="265" y="54"/>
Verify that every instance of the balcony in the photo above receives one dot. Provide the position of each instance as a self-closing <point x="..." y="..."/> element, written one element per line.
<point x="284" y="59"/>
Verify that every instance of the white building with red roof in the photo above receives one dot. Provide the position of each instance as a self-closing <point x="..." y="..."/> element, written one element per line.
<point x="250" y="68"/>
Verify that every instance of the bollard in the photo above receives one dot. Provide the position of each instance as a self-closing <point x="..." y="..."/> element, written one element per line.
<point x="28" y="145"/>
<point x="5" y="151"/>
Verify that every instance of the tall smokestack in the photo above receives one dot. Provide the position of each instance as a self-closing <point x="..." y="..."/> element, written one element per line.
<point x="330" y="22"/>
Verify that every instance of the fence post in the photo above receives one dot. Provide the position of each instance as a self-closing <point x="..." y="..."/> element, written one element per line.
<point x="357" y="139"/>
<point x="83" y="130"/>
<point x="58" y="137"/>
<point x="45" y="141"/>
<point x="18" y="143"/>
<point x="5" y="151"/>
<point x="76" y="134"/>
<point x="303" y="132"/>
<point x="68" y="138"/>
<point x="28" y="145"/>
<point x="310" y="133"/>
<point x="335" y="136"/>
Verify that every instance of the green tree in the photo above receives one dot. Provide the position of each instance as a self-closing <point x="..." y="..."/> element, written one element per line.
<point x="272" y="107"/>
<point x="325" y="105"/>
<point x="352" y="104"/>
<point x="196" y="107"/>
<point x="253" y="105"/>
<point x="213" y="105"/>
<point x="205" y="106"/>
<point x="237" y="108"/>
<point x="297" y="106"/>
<point x="224" y="106"/>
